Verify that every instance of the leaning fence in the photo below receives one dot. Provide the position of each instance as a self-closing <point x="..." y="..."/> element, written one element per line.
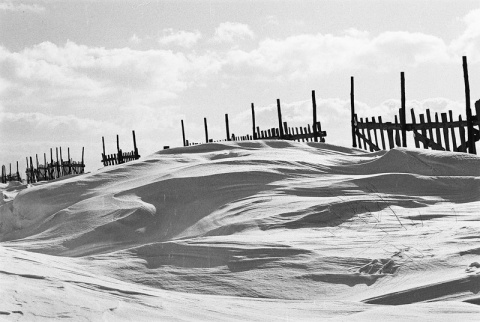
<point x="440" y="133"/>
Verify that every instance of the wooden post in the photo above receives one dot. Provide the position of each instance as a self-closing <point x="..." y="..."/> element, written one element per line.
<point x="18" y="174"/>
<point x="83" y="164"/>
<point x="32" y="173"/>
<point x="369" y="137"/>
<point x="279" y="111"/>
<point x="462" y="136"/>
<point x="27" y="173"/>
<point x="471" y="139"/>
<point x="417" y="144"/>
<point x="403" y="120"/>
<point x="61" y="162"/>
<point x="58" y="164"/>
<point x="381" y="132"/>
<point x="424" y="131"/>
<point x="445" y="130"/>
<point x="314" y="103"/>
<point x="352" y="109"/>
<point x="253" y="122"/>
<point x="51" y="165"/>
<point x="103" y="154"/>
<point x="365" y="145"/>
<point x="429" y="122"/>
<point x="135" y="149"/>
<point x="206" y="129"/>
<point x="452" y="129"/>
<point x="357" y="130"/>
<point x="183" y="135"/>
<point x="397" y="133"/>
<point x="375" y="131"/>
<point x="437" y="130"/>
<point x="69" y="162"/>
<point x="227" y="128"/>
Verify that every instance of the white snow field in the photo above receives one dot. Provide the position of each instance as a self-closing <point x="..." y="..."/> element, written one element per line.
<point x="255" y="231"/>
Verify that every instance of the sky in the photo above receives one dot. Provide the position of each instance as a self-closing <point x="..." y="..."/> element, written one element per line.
<point x="74" y="71"/>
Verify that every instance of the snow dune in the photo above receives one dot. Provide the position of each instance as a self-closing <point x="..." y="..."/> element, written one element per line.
<point x="261" y="230"/>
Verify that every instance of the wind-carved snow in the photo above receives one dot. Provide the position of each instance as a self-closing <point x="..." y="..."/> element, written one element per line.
<point x="261" y="230"/>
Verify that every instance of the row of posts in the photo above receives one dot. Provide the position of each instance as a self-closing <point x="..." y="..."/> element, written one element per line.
<point x="254" y="135"/>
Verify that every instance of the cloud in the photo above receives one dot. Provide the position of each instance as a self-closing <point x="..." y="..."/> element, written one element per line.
<point x="301" y="56"/>
<point x="21" y="7"/>
<point x="229" y="32"/>
<point x="181" y="38"/>
<point x="468" y="43"/>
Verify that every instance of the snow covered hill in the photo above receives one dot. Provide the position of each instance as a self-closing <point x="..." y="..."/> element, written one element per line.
<point x="260" y="230"/>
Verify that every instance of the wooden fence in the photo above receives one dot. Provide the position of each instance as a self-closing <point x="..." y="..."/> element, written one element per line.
<point x="437" y="134"/>
<point x="7" y="177"/>
<point x="120" y="157"/>
<point x="282" y="132"/>
<point x="54" y="169"/>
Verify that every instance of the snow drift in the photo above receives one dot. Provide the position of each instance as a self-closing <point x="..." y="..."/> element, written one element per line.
<point x="260" y="230"/>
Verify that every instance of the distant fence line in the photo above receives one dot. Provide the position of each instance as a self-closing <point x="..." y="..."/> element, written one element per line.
<point x="423" y="131"/>
<point x="54" y="169"/>
<point x="282" y="132"/>
<point x="36" y="172"/>
<point x="120" y="157"/>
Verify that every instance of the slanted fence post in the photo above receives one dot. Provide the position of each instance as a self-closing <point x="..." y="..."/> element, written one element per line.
<point x="402" y="111"/>
<point x="352" y="109"/>
<point x="183" y="135"/>
<point x="206" y="129"/>
<point x="135" y="149"/>
<point x="227" y="128"/>
<point x="280" y="123"/>
<point x="471" y="139"/>
<point x="315" y="129"/>
<point x="104" y="156"/>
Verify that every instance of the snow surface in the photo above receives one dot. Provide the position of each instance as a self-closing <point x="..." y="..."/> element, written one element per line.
<point x="259" y="231"/>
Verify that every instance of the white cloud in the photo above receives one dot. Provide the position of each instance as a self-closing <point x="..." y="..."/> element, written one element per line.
<point x="229" y="32"/>
<point x="21" y="7"/>
<point x="468" y="43"/>
<point x="181" y="38"/>
<point x="304" y="55"/>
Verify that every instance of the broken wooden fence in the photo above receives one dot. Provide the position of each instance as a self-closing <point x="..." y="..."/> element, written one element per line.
<point x="282" y="132"/>
<point x="120" y="157"/>
<point x="7" y="177"/>
<point x="54" y="169"/>
<point x="437" y="134"/>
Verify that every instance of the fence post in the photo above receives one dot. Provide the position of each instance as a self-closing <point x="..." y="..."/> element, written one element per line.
<point x="183" y="134"/>
<point x="352" y="109"/>
<point x="471" y="139"/>
<point x="280" y="123"/>
<point x="103" y="154"/>
<point x="206" y="129"/>
<point x="403" y="120"/>
<point x="227" y="128"/>
<point x="315" y="130"/>
<point x="32" y="174"/>
<point x="253" y="122"/>
<point x="135" y="149"/>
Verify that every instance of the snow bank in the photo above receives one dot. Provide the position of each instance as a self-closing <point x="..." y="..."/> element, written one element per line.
<point x="272" y="229"/>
